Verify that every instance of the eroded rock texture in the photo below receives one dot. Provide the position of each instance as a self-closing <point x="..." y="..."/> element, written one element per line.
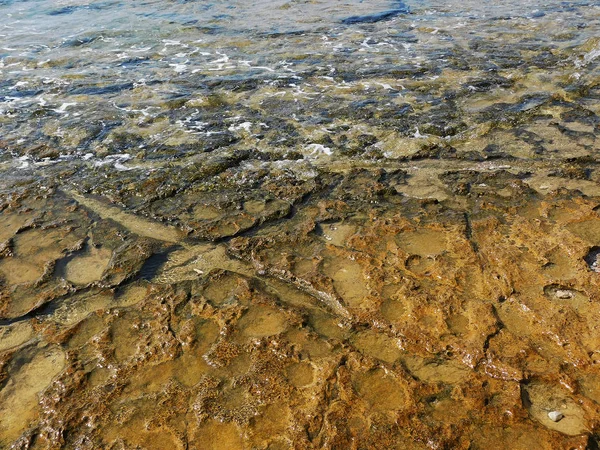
<point x="365" y="229"/>
<point x="364" y="318"/>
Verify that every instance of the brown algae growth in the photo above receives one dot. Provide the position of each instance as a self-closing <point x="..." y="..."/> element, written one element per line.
<point x="359" y="230"/>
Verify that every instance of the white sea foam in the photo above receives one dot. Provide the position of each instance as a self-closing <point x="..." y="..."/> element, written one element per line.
<point x="318" y="149"/>
<point x="64" y="106"/>
<point x="180" y="67"/>
<point x="588" y="57"/>
<point x="24" y="162"/>
<point x="242" y="126"/>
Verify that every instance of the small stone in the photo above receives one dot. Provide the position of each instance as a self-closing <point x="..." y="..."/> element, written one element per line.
<point x="555" y="416"/>
<point x="564" y="294"/>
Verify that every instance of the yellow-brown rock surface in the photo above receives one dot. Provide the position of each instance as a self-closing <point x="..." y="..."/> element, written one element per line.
<point x="365" y="319"/>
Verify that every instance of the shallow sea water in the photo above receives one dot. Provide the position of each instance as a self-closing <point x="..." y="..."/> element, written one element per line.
<point x="299" y="224"/>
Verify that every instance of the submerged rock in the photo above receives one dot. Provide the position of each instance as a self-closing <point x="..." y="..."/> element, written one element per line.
<point x="368" y="228"/>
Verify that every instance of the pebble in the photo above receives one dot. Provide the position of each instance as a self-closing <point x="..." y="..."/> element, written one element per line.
<point x="564" y="294"/>
<point x="555" y="416"/>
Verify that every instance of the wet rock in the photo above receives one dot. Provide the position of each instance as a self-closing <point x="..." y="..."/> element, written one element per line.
<point x="427" y="284"/>
<point x="578" y="173"/>
<point x="128" y="260"/>
<point x="569" y="417"/>
<point x="437" y="151"/>
<point x="401" y="8"/>
<point x="592" y="259"/>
